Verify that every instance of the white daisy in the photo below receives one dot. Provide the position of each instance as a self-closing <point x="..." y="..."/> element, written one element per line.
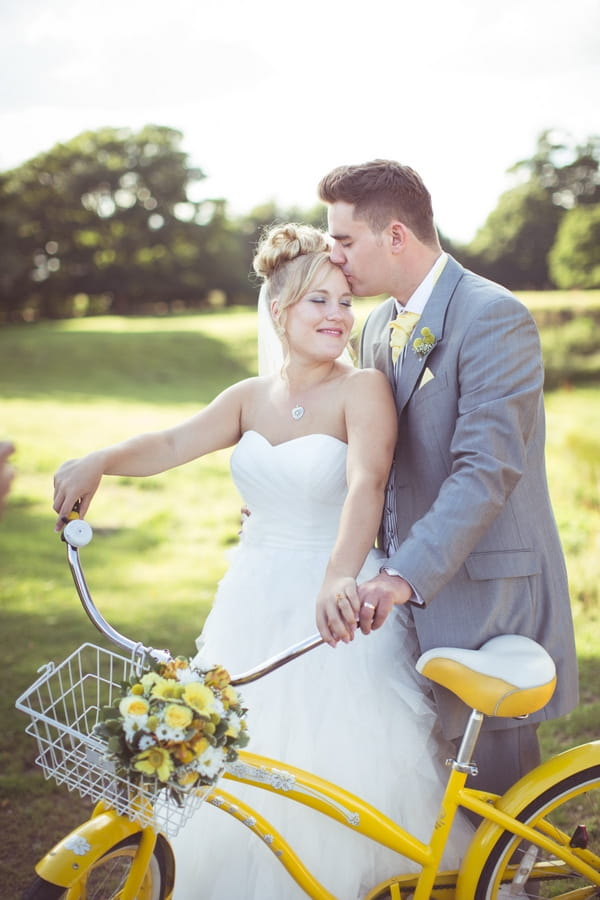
<point x="211" y="762"/>
<point x="164" y="733"/>
<point x="146" y="741"/>
<point x="186" y="676"/>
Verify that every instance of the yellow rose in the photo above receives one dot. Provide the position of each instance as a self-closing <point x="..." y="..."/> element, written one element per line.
<point x="177" y="716"/>
<point x="164" y="690"/>
<point x="199" y="697"/>
<point x="198" y="745"/>
<point x="133" y="706"/>
<point x="154" y="761"/>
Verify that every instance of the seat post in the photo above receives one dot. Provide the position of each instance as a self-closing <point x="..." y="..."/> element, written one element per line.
<point x="463" y="762"/>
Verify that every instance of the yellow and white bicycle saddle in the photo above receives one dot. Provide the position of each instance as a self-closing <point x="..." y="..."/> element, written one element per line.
<point x="510" y="675"/>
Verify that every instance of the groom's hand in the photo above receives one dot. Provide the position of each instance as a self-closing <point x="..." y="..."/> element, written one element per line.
<point x="378" y="597"/>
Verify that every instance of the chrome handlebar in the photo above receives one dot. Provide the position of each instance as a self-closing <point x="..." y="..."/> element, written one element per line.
<point x="77" y="533"/>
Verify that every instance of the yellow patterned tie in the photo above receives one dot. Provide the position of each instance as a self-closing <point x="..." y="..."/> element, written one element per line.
<point x="402" y="328"/>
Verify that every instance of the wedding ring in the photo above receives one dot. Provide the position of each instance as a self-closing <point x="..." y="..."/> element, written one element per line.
<point x="339" y="598"/>
<point x="368" y="605"/>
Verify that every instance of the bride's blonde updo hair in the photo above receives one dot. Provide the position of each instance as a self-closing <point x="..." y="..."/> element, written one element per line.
<point x="288" y="258"/>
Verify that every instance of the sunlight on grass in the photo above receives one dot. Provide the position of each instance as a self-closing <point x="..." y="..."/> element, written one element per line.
<point x="560" y="300"/>
<point x="573" y="459"/>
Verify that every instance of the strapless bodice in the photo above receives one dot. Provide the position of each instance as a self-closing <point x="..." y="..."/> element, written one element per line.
<point x="294" y="490"/>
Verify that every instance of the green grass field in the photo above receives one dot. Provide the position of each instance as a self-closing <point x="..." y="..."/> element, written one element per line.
<point x="161" y="544"/>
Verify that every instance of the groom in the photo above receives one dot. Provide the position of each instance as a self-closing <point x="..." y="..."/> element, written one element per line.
<point x="468" y="527"/>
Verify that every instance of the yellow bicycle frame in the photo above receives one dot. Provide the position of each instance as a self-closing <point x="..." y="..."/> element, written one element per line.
<point x="63" y="867"/>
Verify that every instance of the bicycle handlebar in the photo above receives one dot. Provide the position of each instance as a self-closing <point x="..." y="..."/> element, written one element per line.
<point x="77" y="533"/>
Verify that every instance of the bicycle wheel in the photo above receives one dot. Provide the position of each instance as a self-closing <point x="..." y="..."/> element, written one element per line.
<point x="570" y="808"/>
<point x="104" y="879"/>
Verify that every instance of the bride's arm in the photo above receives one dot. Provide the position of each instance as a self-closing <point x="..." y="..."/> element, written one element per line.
<point x="371" y="424"/>
<point x="215" y="427"/>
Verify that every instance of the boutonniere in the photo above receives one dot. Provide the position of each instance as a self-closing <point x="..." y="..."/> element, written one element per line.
<point x="424" y="344"/>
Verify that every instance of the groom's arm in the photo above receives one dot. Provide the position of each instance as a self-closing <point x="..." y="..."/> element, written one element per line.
<point x="500" y="376"/>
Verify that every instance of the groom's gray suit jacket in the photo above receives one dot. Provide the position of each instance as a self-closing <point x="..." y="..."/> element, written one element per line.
<point x="475" y="529"/>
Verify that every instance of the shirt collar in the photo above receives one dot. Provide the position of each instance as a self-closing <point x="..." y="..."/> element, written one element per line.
<point x="417" y="300"/>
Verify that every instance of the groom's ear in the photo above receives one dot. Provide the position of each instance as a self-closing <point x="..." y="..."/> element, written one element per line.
<point x="398" y="234"/>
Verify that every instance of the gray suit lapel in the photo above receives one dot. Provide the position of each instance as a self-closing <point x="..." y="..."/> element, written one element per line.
<point x="380" y="349"/>
<point x="434" y="318"/>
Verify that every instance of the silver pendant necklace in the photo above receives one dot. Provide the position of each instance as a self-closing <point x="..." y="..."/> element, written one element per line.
<point x="297" y="412"/>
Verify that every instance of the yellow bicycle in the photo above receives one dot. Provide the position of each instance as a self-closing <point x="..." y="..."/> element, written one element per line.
<point x="541" y="839"/>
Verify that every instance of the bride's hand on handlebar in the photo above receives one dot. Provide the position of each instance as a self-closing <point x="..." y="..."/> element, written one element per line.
<point x="337" y="611"/>
<point x="75" y="482"/>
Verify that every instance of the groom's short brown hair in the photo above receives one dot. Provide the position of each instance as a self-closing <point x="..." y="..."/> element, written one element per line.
<point x="382" y="190"/>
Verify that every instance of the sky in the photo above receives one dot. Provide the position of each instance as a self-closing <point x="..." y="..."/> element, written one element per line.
<point x="269" y="95"/>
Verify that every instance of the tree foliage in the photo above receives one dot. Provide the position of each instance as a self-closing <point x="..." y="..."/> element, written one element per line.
<point x="104" y="222"/>
<point x="514" y="244"/>
<point x="575" y="256"/>
<point x="567" y="171"/>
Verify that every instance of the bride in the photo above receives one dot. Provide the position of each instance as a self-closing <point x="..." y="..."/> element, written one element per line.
<point x="313" y="444"/>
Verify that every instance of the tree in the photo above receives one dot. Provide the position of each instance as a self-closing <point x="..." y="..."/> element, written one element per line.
<point x="575" y="257"/>
<point x="567" y="171"/>
<point x="104" y="221"/>
<point x="513" y="244"/>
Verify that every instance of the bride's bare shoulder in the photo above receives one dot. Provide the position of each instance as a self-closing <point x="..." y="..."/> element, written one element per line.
<point x="371" y="387"/>
<point x="252" y="385"/>
<point x="367" y="376"/>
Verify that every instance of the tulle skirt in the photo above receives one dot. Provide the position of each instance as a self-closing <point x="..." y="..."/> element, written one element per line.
<point x="358" y="715"/>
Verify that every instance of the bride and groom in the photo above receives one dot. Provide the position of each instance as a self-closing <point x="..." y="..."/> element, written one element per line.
<point x="469" y="544"/>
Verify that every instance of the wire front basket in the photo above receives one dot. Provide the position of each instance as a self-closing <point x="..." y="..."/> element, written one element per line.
<point x="64" y="705"/>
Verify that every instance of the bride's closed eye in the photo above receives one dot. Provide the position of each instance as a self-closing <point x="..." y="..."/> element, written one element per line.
<point x="319" y="299"/>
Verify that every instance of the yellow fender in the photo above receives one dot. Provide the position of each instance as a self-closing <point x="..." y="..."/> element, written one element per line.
<point x="81" y="848"/>
<point x="519" y="796"/>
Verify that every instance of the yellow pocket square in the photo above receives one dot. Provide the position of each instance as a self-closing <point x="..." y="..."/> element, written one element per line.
<point x="427" y="376"/>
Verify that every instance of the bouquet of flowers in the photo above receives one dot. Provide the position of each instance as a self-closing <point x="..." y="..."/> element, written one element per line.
<point x="175" y="726"/>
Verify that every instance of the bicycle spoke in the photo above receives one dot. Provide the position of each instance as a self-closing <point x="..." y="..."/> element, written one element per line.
<point x="569" y="814"/>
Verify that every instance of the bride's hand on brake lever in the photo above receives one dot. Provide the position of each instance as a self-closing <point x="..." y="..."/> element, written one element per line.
<point x="337" y="610"/>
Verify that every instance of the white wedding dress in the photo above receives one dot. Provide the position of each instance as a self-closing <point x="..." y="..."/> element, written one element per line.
<point x="358" y="715"/>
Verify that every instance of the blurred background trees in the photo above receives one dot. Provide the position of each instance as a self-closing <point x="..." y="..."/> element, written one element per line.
<point x="106" y="223"/>
<point x="546" y="217"/>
